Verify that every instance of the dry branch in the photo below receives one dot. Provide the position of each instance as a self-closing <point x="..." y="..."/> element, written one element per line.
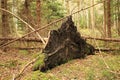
<point x="106" y="49"/>
<point x="30" y="39"/>
<point x="23" y="69"/>
<point x="27" y="48"/>
<point x="103" y="39"/>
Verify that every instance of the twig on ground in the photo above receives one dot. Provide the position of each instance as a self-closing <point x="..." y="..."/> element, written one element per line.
<point x="23" y="69"/>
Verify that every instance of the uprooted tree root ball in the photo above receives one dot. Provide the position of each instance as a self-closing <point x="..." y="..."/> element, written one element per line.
<point x="65" y="44"/>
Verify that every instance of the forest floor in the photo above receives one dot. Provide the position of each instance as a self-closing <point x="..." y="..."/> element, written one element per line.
<point x="90" y="68"/>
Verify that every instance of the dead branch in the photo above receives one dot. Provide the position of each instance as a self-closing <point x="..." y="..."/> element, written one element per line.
<point x="24" y="23"/>
<point x="106" y="49"/>
<point x="23" y="69"/>
<point x="102" y="39"/>
<point x="30" y="39"/>
<point x="27" y="48"/>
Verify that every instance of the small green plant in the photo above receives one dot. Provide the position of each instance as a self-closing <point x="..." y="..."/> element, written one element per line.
<point x="39" y="62"/>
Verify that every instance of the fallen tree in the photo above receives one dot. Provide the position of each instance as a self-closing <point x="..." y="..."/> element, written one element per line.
<point x="65" y="44"/>
<point x="32" y="39"/>
<point x="102" y="39"/>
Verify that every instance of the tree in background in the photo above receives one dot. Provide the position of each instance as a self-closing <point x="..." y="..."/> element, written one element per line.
<point x="118" y="17"/>
<point x="5" y="23"/>
<point x="38" y="13"/>
<point x="92" y="13"/>
<point x="108" y="17"/>
<point x="104" y="21"/>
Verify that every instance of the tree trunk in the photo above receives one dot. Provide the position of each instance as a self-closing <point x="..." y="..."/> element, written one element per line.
<point x="15" y="21"/>
<point x="108" y="8"/>
<point x="38" y="14"/>
<point x="5" y="23"/>
<point x="78" y="15"/>
<point x="27" y="14"/>
<point x="118" y="15"/>
<point x="104" y="21"/>
<point x="92" y="15"/>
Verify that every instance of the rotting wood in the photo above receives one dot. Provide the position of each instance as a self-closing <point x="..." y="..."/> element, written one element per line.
<point x="30" y="39"/>
<point x="33" y="48"/>
<point x="26" y="48"/>
<point x="103" y="39"/>
<point x="65" y="44"/>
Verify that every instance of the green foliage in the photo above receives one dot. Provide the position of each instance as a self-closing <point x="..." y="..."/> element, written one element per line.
<point x="39" y="62"/>
<point x="52" y="9"/>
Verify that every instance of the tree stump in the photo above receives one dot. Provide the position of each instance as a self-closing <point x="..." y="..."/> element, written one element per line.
<point x="65" y="44"/>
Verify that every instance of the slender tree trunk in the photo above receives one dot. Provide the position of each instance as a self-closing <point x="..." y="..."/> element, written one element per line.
<point x="38" y="13"/>
<point x="92" y="15"/>
<point x="87" y="18"/>
<point x="118" y="15"/>
<point x="27" y="14"/>
<point x="27" y="10"/>
<point x="0" y="23"/>
<point x="15" y="10"/>
<point x="108" y="18"/>
<point x="5" y="24"/>
<point x="104" y="21"/>
<point x="78" y="15"/>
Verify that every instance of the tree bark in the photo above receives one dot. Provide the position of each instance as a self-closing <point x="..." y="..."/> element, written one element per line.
<point x="38" y="14"/>
<point x="14" y="20"/>
<point x="108" y="8"/>
<point x="118" y="15"/>
<point x="104" y="21"/>
<point x="92" y="15"/>
<point x="5" y="23"/>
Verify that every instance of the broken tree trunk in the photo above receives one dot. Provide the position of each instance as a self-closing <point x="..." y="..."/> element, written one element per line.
<point x="65" y="44"/>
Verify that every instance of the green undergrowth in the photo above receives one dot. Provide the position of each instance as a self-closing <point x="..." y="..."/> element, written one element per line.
<point x="37" y="75"/>
<point x="9" y="64"/>
<point x="91" y="68"/>
<point x="39" y="62"/>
